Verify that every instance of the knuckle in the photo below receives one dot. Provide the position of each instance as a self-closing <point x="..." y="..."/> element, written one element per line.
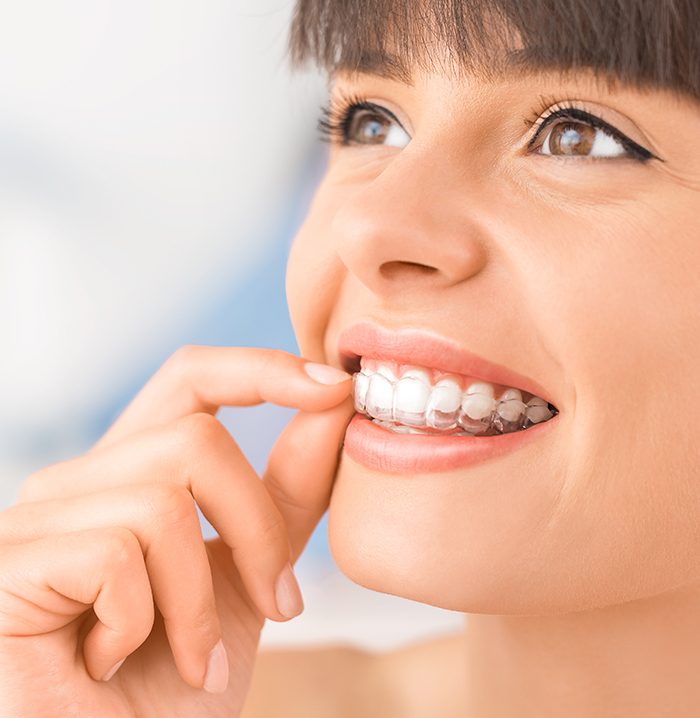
<point x="184" y="355"/>
<point x="271" y="531"/>
<point x="200" y="430"/>
<point x="170" y="502"/>
<point x="119" y="544"/>
<point x="266" y="533"/>
<point x="272" y="361"/>
<point x="282" y="495"/>
<point x="33" y="486"/>
<point x="204" y="621"/>
<point x="180" y="362"/>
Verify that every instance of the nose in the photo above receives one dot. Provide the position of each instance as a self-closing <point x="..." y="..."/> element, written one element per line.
<point x="411" y="228"/>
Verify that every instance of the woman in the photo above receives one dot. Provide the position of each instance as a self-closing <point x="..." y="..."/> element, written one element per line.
<point x="506" y="244"/>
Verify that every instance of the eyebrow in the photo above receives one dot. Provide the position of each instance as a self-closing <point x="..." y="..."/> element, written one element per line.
<point x="393" y="67"/>
<point x="371" y="62"/>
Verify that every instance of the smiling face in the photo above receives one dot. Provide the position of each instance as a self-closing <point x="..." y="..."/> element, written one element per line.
<point x="567" y="251"/>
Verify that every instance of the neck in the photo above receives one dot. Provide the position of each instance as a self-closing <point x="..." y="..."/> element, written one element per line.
<point x="638" y="658"/>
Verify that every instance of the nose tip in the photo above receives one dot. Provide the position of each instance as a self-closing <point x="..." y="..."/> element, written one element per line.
<point x="412" y="225"/>
<point x="391" y="250"/>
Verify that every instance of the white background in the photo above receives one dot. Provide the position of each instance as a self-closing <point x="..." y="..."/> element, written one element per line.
<point x="155" y="161"/>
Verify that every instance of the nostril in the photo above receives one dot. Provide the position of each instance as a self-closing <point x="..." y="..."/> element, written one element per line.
<point x="389" y="270"/>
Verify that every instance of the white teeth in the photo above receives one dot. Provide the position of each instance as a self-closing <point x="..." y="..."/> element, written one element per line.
<point x="379" y="400"/>
<point x="447" y="395"/>
<point x="416" y="372"/>
<point x="511" y="394"/>
<point x="397" y="428"/>
<point x="442" y="408"/>
<point x="389" y="370"/>
<point x="537" y="410"/>
<point x="361" y="386"/>
<point x="510" y="410"/>
<point x="480" y="387"/>
<point x="410" y="398"/>
<point x="478" y="406"/>
<point x="390" y="393"/>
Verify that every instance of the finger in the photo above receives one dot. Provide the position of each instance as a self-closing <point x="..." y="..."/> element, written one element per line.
<point x="52" y="581"/>
<point x="198" y="454"/>
<point x="164" y="519"/>
<point x="302" y="466"/>
<point x="203" y="378"/>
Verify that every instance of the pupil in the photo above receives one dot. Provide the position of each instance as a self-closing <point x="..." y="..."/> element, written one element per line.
<point x="371" y="129"/>
<point x="572" y="139"/>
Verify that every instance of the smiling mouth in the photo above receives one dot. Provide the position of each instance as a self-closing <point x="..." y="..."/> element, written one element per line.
<point x="412" y="399"/>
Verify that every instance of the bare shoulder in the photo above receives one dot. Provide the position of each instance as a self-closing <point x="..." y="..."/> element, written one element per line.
<point x="421" y="679"/>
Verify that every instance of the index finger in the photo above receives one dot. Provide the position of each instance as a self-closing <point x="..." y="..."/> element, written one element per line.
<point x="203" y="378"/>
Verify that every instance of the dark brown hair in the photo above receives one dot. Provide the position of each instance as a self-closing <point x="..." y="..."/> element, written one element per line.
<point x="645" y="43"/>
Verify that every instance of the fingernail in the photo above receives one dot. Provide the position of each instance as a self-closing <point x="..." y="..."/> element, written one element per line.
<point x="324" y="374"/>
<point x="113" y="669"/>
<point x="288" y="594"/>
<point x="216" y="677"/>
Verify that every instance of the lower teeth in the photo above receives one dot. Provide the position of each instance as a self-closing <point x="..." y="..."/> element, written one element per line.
<point x="495" y="428"/>
<point x="403" y="429"/>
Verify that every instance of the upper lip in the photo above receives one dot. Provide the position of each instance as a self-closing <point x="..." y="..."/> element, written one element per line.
<point x="425" y="348"/>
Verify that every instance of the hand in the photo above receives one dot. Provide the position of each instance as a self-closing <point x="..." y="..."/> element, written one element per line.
<point x="102" y="561"/>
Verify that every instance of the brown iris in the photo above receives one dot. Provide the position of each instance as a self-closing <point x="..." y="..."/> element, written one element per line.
<point x="372" y="132"/>
<point x="571" y="138"/>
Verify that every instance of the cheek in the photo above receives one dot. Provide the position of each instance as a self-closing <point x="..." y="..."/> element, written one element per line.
<point x="609" y="510"/>
<point x="630" y="325"/>
<point x="296" y="288"/>
<point x="313" y="280"/>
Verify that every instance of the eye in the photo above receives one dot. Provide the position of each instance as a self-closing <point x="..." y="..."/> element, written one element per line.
<point x="373" y="128"/>
<point x="573" y="132"/>
<point x="356" y="121"/>
<point x="577" y="138"/>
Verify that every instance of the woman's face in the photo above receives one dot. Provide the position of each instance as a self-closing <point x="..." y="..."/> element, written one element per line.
<point x="580" y="271"/>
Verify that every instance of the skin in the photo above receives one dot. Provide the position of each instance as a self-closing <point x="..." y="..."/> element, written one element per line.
<point x="96" y="541"/>
<point x="576" y="559"/>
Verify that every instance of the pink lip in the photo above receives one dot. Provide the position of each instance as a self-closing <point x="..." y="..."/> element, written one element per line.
<point x="379" y="449"/>
<point x="425" y="348"/>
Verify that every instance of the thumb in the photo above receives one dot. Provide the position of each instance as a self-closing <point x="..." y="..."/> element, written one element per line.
<point x="302" y="466"/>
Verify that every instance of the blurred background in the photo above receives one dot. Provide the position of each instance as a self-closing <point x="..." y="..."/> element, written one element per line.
<point x="156" y="160"/>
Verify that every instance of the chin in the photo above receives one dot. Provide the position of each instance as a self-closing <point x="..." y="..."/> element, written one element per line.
<point x="391" y="535"/>
<point x="436" y="540"/>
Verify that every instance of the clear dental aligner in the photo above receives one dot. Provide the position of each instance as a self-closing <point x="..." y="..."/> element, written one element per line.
<point x="415" y="400"/>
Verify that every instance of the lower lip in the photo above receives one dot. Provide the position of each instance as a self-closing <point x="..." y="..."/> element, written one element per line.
<point x="380" y="449"/>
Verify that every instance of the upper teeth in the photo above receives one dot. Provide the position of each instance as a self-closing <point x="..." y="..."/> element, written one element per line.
<point x="418" y="396"/>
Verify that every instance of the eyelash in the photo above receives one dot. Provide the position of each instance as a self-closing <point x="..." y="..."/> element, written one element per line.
<point x="336" y="116"/>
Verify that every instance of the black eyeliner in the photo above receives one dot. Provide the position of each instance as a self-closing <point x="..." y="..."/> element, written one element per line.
<point x="574" y="113"/>
<point x="335" y="122"/>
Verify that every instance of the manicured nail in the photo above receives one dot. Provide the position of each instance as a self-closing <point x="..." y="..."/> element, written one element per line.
<point x="113" y="669"/>
<point x="216" y="677"/>
<point x="288" y="594"/>
<point x="324" y="374"/>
